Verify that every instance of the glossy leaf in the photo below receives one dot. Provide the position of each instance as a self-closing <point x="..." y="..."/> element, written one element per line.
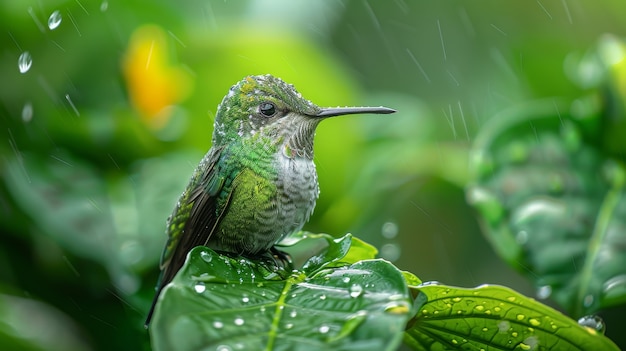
<point x="553" y="204"/>
<point x="233" y="302"/>
<point x="493" y="318"/>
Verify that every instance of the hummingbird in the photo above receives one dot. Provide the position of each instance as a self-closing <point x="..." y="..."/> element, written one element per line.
<point x="257" y="183"/>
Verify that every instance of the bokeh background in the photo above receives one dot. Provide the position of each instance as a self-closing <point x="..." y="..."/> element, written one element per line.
<point x="107" y="106"/>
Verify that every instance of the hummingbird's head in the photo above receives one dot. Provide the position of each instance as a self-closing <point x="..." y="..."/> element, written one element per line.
<point x="266" y="108"/>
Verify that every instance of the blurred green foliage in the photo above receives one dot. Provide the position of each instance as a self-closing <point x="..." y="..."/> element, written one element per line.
<point x="96" y="150"/>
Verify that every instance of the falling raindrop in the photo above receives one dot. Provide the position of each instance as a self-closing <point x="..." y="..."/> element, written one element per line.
<point x="356" y="290"/>
<point x="27" y="112"/>
<point x="24" y="62"/>
<point x="390" y="252"/>
<point x="390" y="230"/>
<point x="54" y="20"/>
<point x="544" y="292"/>
<point x="588" y="300"/>
<point x="594" y="322"/>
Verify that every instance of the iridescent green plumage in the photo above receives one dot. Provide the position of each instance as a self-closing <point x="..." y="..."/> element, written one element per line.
<point x="257" y="184"/>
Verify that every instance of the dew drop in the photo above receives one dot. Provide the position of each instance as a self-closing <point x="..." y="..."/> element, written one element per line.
<point x="239" y="321"/>
<point x="503" y="326"/>
<point x="245" y="299"/>
<point x="223" y="348"/>
<point x="27" y="112"/>
<point x="293" y="314"/>
<point x="356" y="290"/>
<point x="199" y="287"/>
<point x="594" y="322"/>
<point x="390" y="230"/>
<point x="104" y="6"/>
<point x="24" y="62"/>
<point x="324" y="329"/>
<point x="54" y="20"/>
<point x="218" y="325"/>
<point x="544" y="292"/>
<point x="288" y="325"/>
<point x="322" y="297"/>
<point x="346" y="279"/>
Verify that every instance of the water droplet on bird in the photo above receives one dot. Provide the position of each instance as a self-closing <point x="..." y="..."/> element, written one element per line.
<point x="54" y="20"/>
<point x="239" y="321"/>
<point x="356" y="290"/>
<point x="27" y="112"/>
<point x="544" y="292"/>
<point x="199" y="287"/>
<point x="390" y="230"/>
<point x="594" y="322"/>
<point x="324" y="329"/>
<point x="24" y="62"/>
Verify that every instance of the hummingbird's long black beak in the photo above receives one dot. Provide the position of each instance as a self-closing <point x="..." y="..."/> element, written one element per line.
<point x="339" y="111"/>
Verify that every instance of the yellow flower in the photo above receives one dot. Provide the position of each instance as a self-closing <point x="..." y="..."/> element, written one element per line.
<point x="153" y="83"/>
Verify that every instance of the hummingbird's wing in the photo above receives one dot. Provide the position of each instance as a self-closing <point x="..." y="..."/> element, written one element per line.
<point x="194" y="219"/>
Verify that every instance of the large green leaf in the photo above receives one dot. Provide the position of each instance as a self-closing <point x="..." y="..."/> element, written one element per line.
<point x="220" y="302"/>
<point x="553" y="204"/>
<point x="490" y="318"/>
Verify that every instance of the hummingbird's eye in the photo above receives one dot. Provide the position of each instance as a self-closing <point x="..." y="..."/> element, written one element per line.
<point x="267" y="109"/>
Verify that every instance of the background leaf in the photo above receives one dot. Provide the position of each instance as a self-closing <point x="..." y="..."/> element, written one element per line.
<point x="552" y="204"/>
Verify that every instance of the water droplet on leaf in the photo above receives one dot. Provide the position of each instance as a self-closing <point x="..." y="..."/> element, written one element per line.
<point x="199" y="287"/>
<point x="594" y="322"/>
<point x="54" y="20"/>
<point x="356" y="290"/>
<point x="324" y="329"/>
<point x="104" y="6"/>
<point x="239" y="321"/>
<point x="24" y="62"/>
<point x="218" y="325"/>
<point x="346" y="279"/>
<point x="224" y="348"/>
